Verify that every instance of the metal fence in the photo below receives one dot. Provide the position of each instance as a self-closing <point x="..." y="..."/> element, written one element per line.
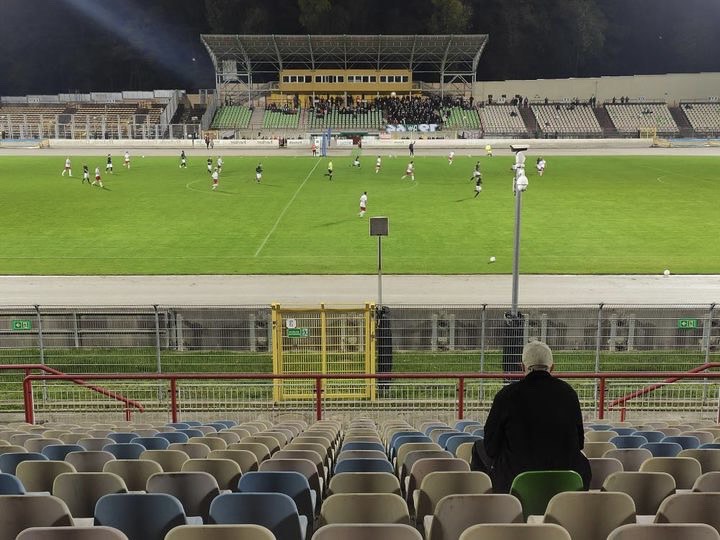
<point x="425" y="339"/>
<point x="456" y="338"/>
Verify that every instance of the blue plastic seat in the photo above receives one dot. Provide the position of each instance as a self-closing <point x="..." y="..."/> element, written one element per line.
<point x="628" y="441"/>
<point x="57" y="452"/>
<point x="193" y="423"/>
<point x="9" y="461"/>
<point x="686" y="441"/>
<point x="710" y="445"/>
<point x="191" y="432"/>
<point x="453" y="443"/>
<point x="478" y="432"/>
<point x="11" y="485"/>
<point x="217" y="425"/>
<point x="407" y="439"/>
<point x="227" y="423"/>
<point x="460" y="425"/>
<point x="173" y="437"/>
<point x="434" y="425"/>
<point x="398" y="434"/>
<point x="122" y="437"/>
<point x="179" y="425"/>
<point x="364" y="465"/>
<point x="663" y="449"/>
<point x="625" y="431"/>
<point x="274" y="511"/>
<point x="141" y="516"/>
<point x="125" y="450"/>
<point x="651" y="436"/>
<point x="601" y="427"/>
<point x="152" y="443"/>
<point x="443" y="438"/>
<point x="359" y="445"/>
<point x="291" y="483"/>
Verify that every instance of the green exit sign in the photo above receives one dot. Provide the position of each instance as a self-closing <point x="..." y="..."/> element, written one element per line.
<point x="687" y="324"/>
<point x="298" y="332"/>
<point x="21" y="324"/>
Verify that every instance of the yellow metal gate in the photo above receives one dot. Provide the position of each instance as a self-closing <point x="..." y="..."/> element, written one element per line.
<point x="323" y="340"/>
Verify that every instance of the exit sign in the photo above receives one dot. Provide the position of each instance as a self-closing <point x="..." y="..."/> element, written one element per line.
<point x="21" y="324"/>
<point x="298" y="332"/>
<point x="687" y="324"/>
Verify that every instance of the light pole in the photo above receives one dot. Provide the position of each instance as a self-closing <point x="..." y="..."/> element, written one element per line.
<point x="514" y="339"/>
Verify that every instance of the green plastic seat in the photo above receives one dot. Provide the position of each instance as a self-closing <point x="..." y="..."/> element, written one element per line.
<point x="534" y="489"/>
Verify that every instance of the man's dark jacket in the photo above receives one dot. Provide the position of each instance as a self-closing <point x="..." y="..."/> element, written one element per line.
<point x="535" y="424"/>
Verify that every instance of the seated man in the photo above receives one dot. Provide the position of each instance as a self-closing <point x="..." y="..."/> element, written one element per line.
<point x="534" y="424"/>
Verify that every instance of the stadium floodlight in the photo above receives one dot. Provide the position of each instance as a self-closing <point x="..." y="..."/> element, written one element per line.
<point x="379" y="226"/>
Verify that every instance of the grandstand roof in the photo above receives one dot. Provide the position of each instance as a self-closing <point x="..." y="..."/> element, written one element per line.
<point x="445" y="55"/>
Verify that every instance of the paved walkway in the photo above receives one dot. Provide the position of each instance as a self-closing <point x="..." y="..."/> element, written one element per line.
<point x="343" y="290"/>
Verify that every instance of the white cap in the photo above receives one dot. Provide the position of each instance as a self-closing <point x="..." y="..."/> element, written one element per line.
<point x="537" y="355"/>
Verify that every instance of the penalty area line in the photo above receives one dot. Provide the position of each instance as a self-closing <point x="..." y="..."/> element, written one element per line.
<point x="282" y="213"/>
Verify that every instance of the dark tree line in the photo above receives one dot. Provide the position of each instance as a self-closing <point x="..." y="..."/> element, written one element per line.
<point x="56" y="46"/>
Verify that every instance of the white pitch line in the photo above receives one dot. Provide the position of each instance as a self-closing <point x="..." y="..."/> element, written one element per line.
<point x="277" y="222"/>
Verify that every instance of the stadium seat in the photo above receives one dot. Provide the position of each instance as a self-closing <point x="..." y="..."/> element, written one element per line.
<point x="141" y="516"/>
<point x="225" y="471"/>
<point x="590" y="515"/>
<point x="125" y="450"/>
<point x="631" y="458"/>
<point x="439" y="484"/>
<point x="228" y="436"/>
<point x="193" y="450"/>
<point x="71" y="533"/>
<point x="57" y="452"/>
<point x="94" y="444"/>
<point x="663" y="449"/>
<point x="363" y="465"/>
<point x="213" y="443"/>
<point x="220" y="532"/>
<point x="534" y="489"/>
<point x="275" y="511"/>
<point x="515" y="531"/>
<point x="19" y="512"/>
<point x="169" y="460"/>
<point x="455" y="513"/>
<point x="685" y="442"/>
<point x="195" y="490"/>
<point x="152" y="443"/>
<point x="599" y="436"/>
<point x="292" y="484"/>
<point x="367" y="531"/>
<point x="122" y="437"/>
<point x="246" y="460"/>
<point x="690" y="508"/>
<point x="364" y="483"/>
<point x="11" y="484"/>
<point x="9" y="461"/>
<point x="684" y="470"/>
<point x="260" y="451"/>
<point x="303" y="466"/>
<point x="597" y="449"/>
<point x="651" y="436"/>
<point x="360" y="445"/>
<point x="81" y="490"/>
<point x="37" y="445"/>
<point x="707" y="482"/>
<point x="89" y="460"/>
<point x="40" y="475"/>
<point x="665" y="531"/>
<point x="134" y="472"/>
<point x="628" y="441"/>
<point x="647" y="489"/>
<point x="364" y="508"/>
<point x="709" y="458"/>
<point x="602" y="468"/>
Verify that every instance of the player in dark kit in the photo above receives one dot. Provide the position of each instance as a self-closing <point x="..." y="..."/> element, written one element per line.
<point x="86" y="174"/>
<point x="209" y="165"/>
<point x="183" y="160"/>
<point x="108" y="165"/>
<point x="411" y="148"/>
<point x="258" y="173"/>
<point x="478" y="186"/>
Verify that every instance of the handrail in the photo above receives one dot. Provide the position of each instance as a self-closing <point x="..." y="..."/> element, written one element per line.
<point x="643" y="391"/>
<point x="27" y="368"/>
<point x="173" y="378"/>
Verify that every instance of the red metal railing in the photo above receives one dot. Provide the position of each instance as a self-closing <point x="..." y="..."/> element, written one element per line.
<point x="622" y="401"/>
<point x="28" y="396"/>
<point x="461" y="378"/>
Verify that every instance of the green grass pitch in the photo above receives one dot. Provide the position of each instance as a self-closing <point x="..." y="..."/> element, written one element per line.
<point x="586" y="215"/>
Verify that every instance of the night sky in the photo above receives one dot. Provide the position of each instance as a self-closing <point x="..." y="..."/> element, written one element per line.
<point x="53" y="46"/>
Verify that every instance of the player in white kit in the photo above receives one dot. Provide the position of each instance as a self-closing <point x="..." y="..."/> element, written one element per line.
<point x="540" y="165"/>
<point x="363" y="203"/>
<point x="215" y="179"/>
<point x="98" y="178"/>
<point x="68" y="168"/>
<point x="451" y="156"/>
<point x="378" y="164"/>
<point x="126" y="160"/>
<point x="409" y="171"/>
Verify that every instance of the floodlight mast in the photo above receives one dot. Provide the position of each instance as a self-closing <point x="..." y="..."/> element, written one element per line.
<point x="520" y="183"/>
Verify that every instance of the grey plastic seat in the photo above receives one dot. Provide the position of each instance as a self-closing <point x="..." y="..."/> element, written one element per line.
<point x="455" y="513"/>
<point x="364" y="508"/>
<point x="89" y="460"/>
<point x="631" y="458"/>
<point x="246" y="460"/>
<point x="590" y="515"/>
<point x="439" y="484"/>
<point x="40" y="475"/>
<point x="647" y="489"/>
<point x="709" y="458"/>
<point x="515" y="531"/>
<point x="134" y="472"/>
<point x="82" y="490"/>
<point x="690" y="508"/>
<point x="367" y="531"/>
<point x="169" y="460"/>
<point x="707" y="482"/>
<point x="194" y="490"/>
<point x="19" y="512"/>
<point x="94" y="444"/>
<point x="71" y="533"/>
<point x="364" y="483"/>
<point x="597" y="449"/>
<point x="665" y="531"/>
<point x="220" y="532"/>
<point x="602" y="468"/>
<point x="226" y="471"/>
<point x="684" y="470"/>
